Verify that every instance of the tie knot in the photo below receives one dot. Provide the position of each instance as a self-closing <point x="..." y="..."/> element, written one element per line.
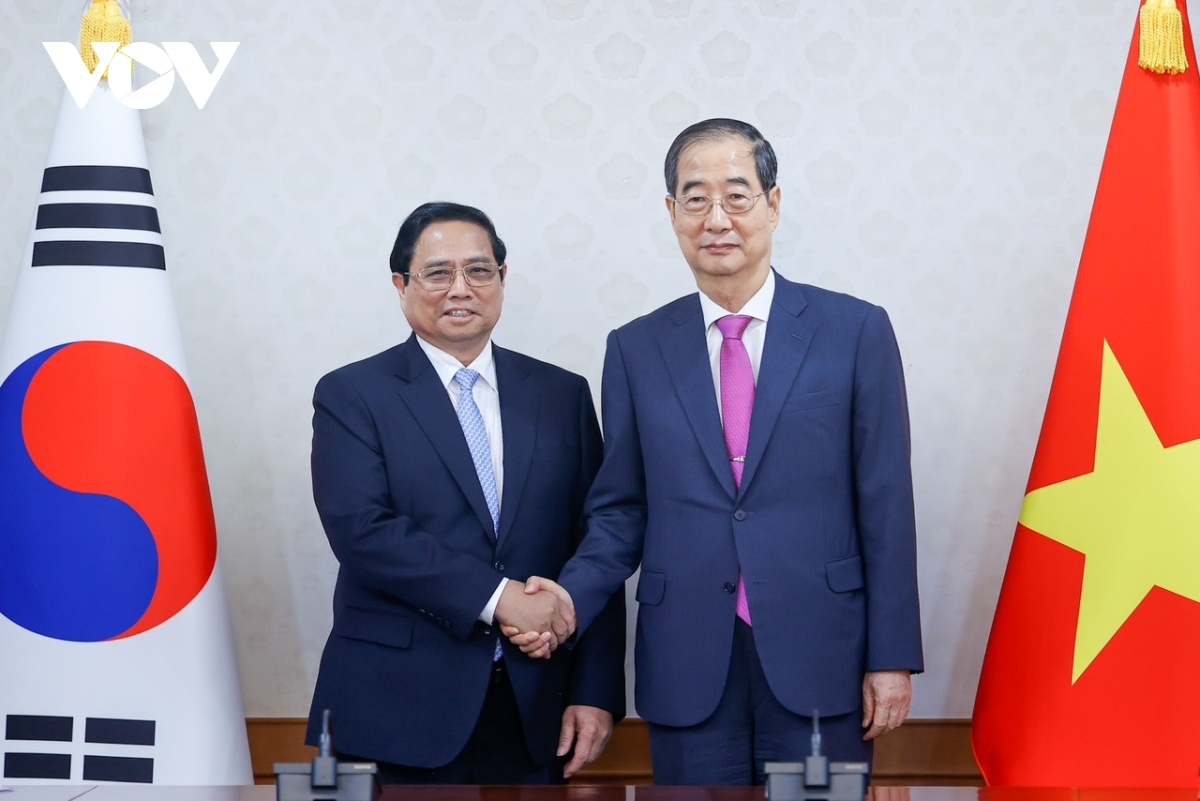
<point x="466" y="379"/>
<point x="733" y="326"/>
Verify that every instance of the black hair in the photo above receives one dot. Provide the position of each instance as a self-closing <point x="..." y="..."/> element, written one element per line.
<point x="426" y="215"/>
<point x="715" y="130"/>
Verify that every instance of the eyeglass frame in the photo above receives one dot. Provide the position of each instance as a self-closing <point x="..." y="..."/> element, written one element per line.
<point x="716" y="201"/>
<point x="455" y="271"/>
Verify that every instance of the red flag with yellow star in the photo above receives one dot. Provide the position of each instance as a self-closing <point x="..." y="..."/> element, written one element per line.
<point x="1092" y="672"/>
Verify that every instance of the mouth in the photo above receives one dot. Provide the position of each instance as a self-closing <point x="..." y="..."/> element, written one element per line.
<point x="459" y="314"/>
<point x="719" y="248"/>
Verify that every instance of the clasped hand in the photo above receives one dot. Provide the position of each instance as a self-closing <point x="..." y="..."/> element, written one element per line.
<point x="537" y="616"/>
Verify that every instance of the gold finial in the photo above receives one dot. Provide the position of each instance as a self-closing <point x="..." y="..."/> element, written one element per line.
<point x="1160" y="38"/>
<point x="103" y="22"/>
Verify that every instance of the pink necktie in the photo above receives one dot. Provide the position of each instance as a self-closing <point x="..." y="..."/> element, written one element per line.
<point x="737" y="402"/>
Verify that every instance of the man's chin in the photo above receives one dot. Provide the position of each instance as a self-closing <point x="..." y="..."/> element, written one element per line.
<point x="461" y="336"/>
<point x="718" y="267"/>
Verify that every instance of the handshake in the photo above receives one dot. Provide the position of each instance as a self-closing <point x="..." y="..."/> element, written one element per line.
<point x="536" y="616"/>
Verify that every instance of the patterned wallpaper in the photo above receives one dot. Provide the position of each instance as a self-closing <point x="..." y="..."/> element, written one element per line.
<point x="937" y="158"/>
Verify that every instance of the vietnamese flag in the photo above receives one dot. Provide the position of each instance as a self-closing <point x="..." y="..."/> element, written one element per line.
<point x="1092" y="672"/>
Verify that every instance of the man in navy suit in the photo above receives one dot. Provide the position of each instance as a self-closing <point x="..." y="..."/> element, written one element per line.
<point x="446" y="470"/>
<point x="768" y="500"/>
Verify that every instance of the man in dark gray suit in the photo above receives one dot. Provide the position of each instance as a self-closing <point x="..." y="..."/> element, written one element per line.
<point x="446" y="470"/>
<point x="756" y="466"/>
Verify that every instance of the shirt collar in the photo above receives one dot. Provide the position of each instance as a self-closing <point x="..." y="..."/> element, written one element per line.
<point x="447" y="366"/>
<point x="758" y="307"/>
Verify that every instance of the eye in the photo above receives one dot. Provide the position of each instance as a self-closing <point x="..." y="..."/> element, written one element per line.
<point x="481" y="271"/>
<point x="695" y="202"/>
<point x="437" y="275"/>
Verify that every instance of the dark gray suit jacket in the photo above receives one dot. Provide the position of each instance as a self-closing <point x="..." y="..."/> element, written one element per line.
<point x="822" y="527"/>
<point x="407" y="664"/>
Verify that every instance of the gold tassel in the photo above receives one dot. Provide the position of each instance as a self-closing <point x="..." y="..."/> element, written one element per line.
<point x="1160" y="38"/>
<point x="103" y="22"/>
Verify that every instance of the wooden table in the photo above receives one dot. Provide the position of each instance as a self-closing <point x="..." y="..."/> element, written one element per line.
<point x="586" y="793"/>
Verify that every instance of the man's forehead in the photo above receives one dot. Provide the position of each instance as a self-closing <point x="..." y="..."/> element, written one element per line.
<point x="454" y="238"/>
<point x="727" y="160"/>
<point x="443" y="230"/>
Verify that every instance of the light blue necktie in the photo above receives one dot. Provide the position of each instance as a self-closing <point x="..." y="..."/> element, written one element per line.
<point x="477" y="440"/>
<point x="481" y="453"/>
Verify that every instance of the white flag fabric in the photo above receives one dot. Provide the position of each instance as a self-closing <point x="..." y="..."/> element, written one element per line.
<point x="116" y="655"/>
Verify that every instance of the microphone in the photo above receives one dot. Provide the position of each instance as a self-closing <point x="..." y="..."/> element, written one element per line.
<point x="325" y="766"/>
<point x="816" y="778"/>
<point x="326" y="779"/>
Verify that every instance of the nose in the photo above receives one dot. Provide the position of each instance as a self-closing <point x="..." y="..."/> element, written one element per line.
<point x="458" y="285"/>
<point x="717" y="219"/>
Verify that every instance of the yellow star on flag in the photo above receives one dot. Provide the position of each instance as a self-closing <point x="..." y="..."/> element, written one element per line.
<point x="1135" y="517"/>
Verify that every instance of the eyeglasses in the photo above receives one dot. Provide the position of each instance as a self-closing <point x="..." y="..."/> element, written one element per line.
<point x="732" y="203"/>
<point x="440" y="279"/>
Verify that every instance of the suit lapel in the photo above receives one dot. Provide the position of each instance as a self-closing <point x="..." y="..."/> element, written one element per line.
<point x="789" y="334"/>
<point x="685" y="351"/>
<point x="426" y="398"/>
<point x="518" y="420"/>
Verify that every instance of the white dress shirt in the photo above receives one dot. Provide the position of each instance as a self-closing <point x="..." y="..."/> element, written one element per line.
<point x="759" y="308"/>
<point x="487" y="397"/>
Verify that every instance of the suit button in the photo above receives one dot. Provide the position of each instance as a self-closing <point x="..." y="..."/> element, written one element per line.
<point x="730" y="587"/>
<point x="499" y="566"/>
<point x="487" y="630"/>
<point x="739" y="515"/>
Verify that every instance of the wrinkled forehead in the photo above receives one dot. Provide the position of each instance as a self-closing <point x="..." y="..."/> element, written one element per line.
<point x="720" y="163"/>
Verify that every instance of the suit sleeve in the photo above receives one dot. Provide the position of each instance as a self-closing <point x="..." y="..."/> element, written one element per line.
<point x="615" y="513"/>
<point x="884" y="495"/>
<point x="376" y="546"/>
<point x="598" y="675"/>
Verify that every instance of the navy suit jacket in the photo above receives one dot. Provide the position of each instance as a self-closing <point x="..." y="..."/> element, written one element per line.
<point x="408" y="663"/>
<point x="822" y="527"/>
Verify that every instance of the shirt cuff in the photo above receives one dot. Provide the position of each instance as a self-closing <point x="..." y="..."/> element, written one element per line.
<point x="488" y="615"/>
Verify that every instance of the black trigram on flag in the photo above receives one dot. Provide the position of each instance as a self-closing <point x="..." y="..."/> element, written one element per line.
<point x="53" y="757"/>
<point x="97" y="216"/>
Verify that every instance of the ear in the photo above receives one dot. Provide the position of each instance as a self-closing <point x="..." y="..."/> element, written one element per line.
<point x="671" y="210"/>
<point x="773" y="200"/>
<point x="398" y="282"/>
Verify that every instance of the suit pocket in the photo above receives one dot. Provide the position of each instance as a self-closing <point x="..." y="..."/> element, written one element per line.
<point x="368" y="625"/>
<point x="651" y="588"/>
<point x="814" y="400"/>
<point x="845" y="575"/>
